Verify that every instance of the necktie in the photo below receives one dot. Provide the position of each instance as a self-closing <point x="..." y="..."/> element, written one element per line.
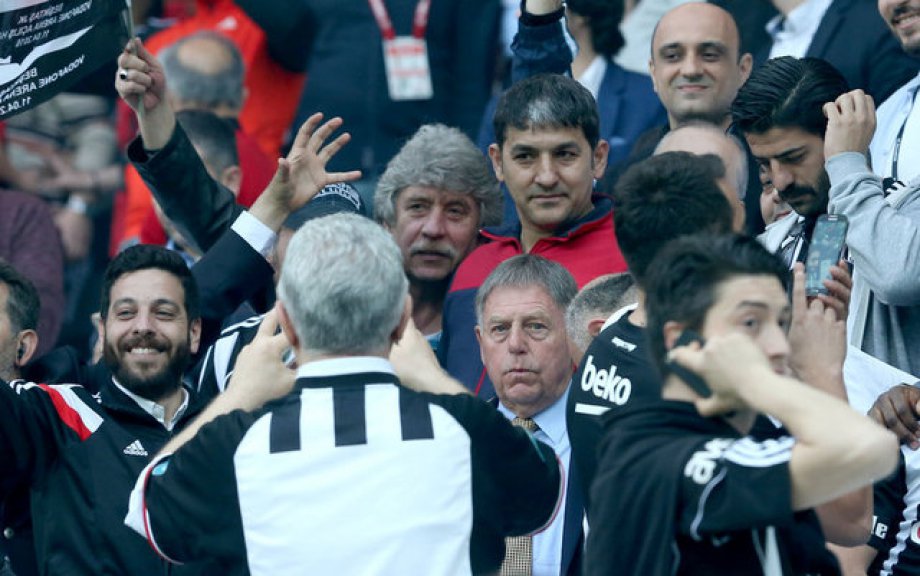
<point x="795" y="248"/>
<point x="519" y="549"/>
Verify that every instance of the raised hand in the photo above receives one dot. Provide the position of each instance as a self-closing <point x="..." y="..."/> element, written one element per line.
<point x="817" y="339"/>
<point x="140" y="77"/>
<point x="850" y="123"/>
<point x="302" y="174"/>
<point x="898" y="409"/>
<point x="142" y="85"/>
<point x="726" y="363"/>
<point x="260" y="374"/>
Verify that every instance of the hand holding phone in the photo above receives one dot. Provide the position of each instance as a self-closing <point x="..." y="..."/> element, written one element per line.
<point x="827" y="247"/>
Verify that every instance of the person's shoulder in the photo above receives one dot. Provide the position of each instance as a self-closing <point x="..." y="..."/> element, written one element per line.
<point x="480" y="418"/>
<point x="893" y="104"/>
<point x="473" y="270"/>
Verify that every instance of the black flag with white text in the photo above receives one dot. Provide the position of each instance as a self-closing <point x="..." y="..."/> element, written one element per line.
<point x="47" y="45"/>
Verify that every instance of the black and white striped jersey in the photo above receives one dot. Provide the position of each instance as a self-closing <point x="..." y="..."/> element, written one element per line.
<point x="896" y="520"/>
<point x="219" y="360"/>
<point x="351" y="473"/>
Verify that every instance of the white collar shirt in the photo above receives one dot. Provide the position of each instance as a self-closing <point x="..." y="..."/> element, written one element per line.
<point x="157" y="410"/>
<point x="899" y="110"/>
<point x="593" y="75"/>
<point x="792" y="34"/>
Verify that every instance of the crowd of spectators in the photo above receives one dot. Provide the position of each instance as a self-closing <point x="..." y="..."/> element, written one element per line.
<point x="468" y="287"/>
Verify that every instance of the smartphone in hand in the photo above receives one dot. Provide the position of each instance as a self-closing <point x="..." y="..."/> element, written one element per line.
<point x="827" y="247"/>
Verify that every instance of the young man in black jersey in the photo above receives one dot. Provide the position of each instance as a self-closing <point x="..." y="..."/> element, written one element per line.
<point x="657" y="200"/>
<point x="690" y="490"/>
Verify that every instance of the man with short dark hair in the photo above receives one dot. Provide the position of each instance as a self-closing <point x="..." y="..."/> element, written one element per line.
<point x="348" y="471"/>
<point x="811" y="136"/>
<point x="78" y="453"/>
<point x="780" y="111"/>
<point x="696" y="65"/>
<point x="548" y="153"/>
<point x="697" y="493"/>
<point x="659" y="199"/>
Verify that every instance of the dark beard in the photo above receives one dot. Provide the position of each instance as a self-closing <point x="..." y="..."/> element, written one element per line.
<point x="820" y="193"/>
<point x="156" y="386"/>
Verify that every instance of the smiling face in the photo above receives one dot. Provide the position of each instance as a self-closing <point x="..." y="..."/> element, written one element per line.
<point x="903" y="17"/>
<point x="793" y="160"/>
<point x="148" y="336"/>
<point x="550" y="174"/>
<point x="524" y="348"/>
<point x="435" y="229"/>
<point x="695" y="64"/>
<point x="756" y="306"/>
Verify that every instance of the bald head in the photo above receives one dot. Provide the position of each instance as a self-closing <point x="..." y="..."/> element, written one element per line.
<point x="696" y="65"/>
<point x="206" y="55"/>
<point x="690" y="14"/>
<point x="204" y="71"/>
<point x="701" y="138"/>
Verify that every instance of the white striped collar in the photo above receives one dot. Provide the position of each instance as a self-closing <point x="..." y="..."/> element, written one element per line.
<point x="345" y="365"/>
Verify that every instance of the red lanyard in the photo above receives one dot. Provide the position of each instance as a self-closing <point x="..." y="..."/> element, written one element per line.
<point x="419" y="21"/>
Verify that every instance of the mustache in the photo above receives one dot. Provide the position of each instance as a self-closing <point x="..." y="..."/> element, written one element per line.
<point x="793" y="192"/>
<point x="145" y="341"/>
<point x="445" y="251"/>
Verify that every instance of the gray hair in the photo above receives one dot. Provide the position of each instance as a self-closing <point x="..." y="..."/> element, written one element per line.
<point x="600" y="297"/>
<point x="208" y="90"/>
<point x="440" y="157"/>
<point x="528" y="270"/>
<point x="343" y="285"/>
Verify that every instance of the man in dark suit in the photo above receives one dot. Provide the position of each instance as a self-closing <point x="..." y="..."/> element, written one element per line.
<point x="849" y="34"/>
<point x="520" y="310"/>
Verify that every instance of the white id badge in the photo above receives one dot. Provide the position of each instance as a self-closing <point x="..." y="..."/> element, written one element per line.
<point x="408" y="73"/>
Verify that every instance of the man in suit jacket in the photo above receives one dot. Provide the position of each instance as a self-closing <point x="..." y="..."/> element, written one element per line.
<point x="520" y="311"/>
<point x="849" y="34"/>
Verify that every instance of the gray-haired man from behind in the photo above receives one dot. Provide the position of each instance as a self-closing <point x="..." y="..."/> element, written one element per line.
<point x="350" y="433"/>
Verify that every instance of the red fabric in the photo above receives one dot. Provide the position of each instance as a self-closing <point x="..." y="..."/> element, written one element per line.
<point x="68" y="415"/>
<point x="589" y="252"/>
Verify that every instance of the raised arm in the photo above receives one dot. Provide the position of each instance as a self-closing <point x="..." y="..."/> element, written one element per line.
<point x="837" y="450"/>
<point x="540" y="46"/>
<point x="882" y="239"/>
<point x="141" y="84"/>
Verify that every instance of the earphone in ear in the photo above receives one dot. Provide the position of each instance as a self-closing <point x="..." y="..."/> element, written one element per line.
<point x="20" y="352"/>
